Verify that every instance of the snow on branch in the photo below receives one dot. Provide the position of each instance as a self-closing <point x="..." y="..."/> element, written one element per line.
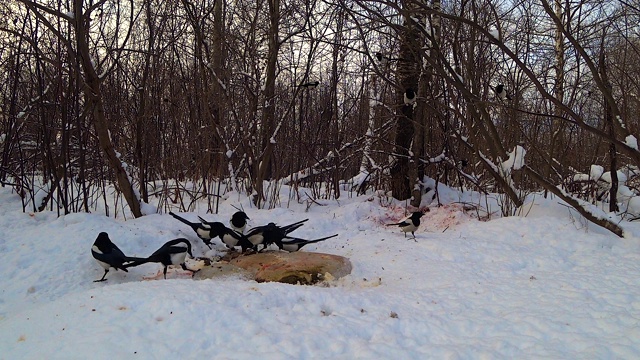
<point x="320" y="166"/>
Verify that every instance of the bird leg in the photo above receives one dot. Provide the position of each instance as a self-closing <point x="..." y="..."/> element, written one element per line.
<point x="193" y="272"/>
<point x="103" y="275"/>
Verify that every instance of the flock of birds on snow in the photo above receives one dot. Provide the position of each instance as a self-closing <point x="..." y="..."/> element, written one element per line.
<point x="174" y="252"/>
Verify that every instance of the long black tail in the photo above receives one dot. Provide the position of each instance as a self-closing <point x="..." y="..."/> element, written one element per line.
<point x="194" y="226"/>
<point x="292" y="227"/>
<point x="298" y="240"/>
<point x="136" y="261"/>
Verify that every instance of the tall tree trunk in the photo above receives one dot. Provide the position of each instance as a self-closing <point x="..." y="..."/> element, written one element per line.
<point x="428" y="84"/>
<point x="263" y="164"/>
<point x="613" y="156"/>
<point x="94" y="102"/>
<point x="557" y="124"/>
<point x="408" y="73"/>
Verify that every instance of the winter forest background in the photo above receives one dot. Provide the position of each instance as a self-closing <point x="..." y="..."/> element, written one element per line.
<point x="187" y="100"/>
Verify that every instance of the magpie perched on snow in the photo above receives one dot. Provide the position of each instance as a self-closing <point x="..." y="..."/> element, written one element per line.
<point x="501" y="92"/>
<point x="294" y="244"/>
<point x="232" y="238"/>
<point x="409" y="224"/>
<point x="310" y="85"/>
<point x="205" y="232"/>
<point x="239" y="221"/>
<point x="108" y="255"/>
<point x="173" y="252"/>
<point x="409" y="96"/>
<point x="270" y="233"/>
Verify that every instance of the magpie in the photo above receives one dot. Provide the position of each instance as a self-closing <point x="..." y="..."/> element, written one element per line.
<point x="501" y="92"/>
<point x="409" y="224"/>
<point x="409" y="96"/>
<point x="294" y="244"/>
<point x="310" y="85"/>
<point x="205" y="232"/>
<point x="268" y="234"/>
<point x="232" y="238"/>
<point x="108" y="255"/>
<point x="229" y="237"/>
<point x="238" y="221"/>
<point x="173" y="252"/>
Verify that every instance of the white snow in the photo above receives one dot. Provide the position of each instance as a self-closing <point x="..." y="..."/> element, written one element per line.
<point x="494" y="33"/>
<point x="547" y="285"/>
<point x="631" y="142"/>
<point x="229" y="154"/>
<point x="515" y="160"/>
<point x="596" y="172"/>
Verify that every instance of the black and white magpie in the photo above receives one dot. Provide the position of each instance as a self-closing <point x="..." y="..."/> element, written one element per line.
<point x="173" y="252"/>
<point x="239" y="221"/>
<point x="292" y="244"/>
<point x="232" y="238"/>
<point x="501" y="92"/>
<point x="409" y="96"/>
<point x="270" y="233"/>
<point x="108" y="255"/>
<point x="409" y="224"/>
<point x="205" y="231"/>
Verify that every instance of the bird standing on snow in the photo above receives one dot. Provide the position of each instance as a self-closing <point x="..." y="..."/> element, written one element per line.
<point x="271" y="233"/>
<point x="205" y="231"/>
<point x="239" y="221"/>
<point x="173" y="252"/>
<point x="501" y="92"/>
<point x="209" y="230"/>
<point x="108" y="255"/>
<point x="409" y="96"/>
<point x="231" y="238"/>
<point x="409" y="224"/>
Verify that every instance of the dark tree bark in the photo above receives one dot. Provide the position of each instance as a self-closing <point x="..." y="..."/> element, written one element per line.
<point x="94" y="102"/>
<point x="408" y="72"/>
<point x="262" y="165"/>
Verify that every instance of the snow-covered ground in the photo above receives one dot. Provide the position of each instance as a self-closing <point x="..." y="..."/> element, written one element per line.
<point x="547" y="285"/>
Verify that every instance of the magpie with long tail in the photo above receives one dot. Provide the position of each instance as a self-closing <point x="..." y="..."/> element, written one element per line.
<point x="232" y="238"/>
<point x="270" y="233"/>
<point x="238" y="221"/>
<point x="108" y="255"/>
<point x="205" y="231"/>
<point x="409" y="224"/>
<point x="173" y="252"/>
<point x="294" y="244"/>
